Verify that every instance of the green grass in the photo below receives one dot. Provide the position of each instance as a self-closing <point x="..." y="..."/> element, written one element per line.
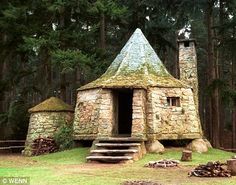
<point x="74" y="156"/>
<point x="69" y="168"/>
<point x="198" y="158"/>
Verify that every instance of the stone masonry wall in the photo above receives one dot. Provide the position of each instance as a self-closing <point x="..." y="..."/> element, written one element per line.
<point x="87" y="114"/>
<point x="45" y="124"/>
<point x="139" y="114"/>
<point x="188" y="67"/>
<point x="93" y="114"/>
<point x="106" y="119"/>
<point x="172" y="122"/>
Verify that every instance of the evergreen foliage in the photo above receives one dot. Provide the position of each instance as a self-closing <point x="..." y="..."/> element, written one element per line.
<point x="64" y="136"/>
<point x="51" y="48"/>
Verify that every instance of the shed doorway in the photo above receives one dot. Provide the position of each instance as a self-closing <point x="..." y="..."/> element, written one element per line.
<point x="124" y="112"/>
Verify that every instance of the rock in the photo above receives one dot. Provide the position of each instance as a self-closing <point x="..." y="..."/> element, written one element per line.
<point x="208" y="143"/>
<point x="198" y="145"/>
<point x="155" y="147"/>
<point x="93" y="147"/>
<point x="27" y="151"/>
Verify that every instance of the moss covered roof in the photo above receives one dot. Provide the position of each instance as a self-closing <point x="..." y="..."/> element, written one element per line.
<point x="52" y="104"/>
<point x="136" y="66"/>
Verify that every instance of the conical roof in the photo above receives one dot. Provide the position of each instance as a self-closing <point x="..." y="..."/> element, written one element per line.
<point x="137" y="66"/>
<point x="52" y="104"/>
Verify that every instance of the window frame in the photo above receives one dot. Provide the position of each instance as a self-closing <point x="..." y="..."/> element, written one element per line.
<point x="173" y="101"/>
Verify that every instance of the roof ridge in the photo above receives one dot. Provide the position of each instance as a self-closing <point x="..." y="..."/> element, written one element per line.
<point x="52" y="104"/>
<point x="136" y="59"/>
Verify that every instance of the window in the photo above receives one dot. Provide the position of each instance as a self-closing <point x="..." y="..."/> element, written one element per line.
<point x="173" y="101"/>
<point x="186" y="44"/>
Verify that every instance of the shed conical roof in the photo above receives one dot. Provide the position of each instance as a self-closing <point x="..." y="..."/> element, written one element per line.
<point x="52" y="104"/>
<point x="136" y="66"/>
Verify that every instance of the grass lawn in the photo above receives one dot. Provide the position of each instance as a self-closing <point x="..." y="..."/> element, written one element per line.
<point x="69" y="168"/>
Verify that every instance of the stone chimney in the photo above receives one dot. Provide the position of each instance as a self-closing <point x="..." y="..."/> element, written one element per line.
<point x="188" y="65"/>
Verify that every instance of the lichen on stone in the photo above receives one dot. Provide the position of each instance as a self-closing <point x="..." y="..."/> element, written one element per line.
<point x="52" y="104"/>
<point x="137" y="66"/>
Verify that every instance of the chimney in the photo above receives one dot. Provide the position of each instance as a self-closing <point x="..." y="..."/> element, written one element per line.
<point x="188" y="65"/>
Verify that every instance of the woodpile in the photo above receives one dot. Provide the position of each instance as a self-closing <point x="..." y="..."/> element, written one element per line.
<point x="140" y="183"/>
<point x="211" y="169"/>
<point x="44" y="146"/>
<point x="162" y="163"/>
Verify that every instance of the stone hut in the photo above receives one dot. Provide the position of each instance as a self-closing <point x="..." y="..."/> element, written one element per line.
<point x="45" y="118"/>
<point x="137" y="98"/>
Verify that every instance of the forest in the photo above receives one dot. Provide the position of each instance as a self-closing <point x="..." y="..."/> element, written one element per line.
<point x="52" y="47"/>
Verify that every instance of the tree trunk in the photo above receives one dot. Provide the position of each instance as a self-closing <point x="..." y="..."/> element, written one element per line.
<point x="233" y="71"/>
<point x="220" y="68"/>
<point x="234" y="127"/>
<point x="215" y="119"/>
<point x="48" y="74"/>
<point x="3" y="56"/>
<point x="102" y="32"/>
<point x="186" y="155"/>
<point x="212" y="75"/>
<point x="209" y="65"/>
<point x="62" y="75"/>
<point x="63" y="86"/>
<point x="165" y="57"/>
<point x="2" y="91"/>
<point x="231" y="165"/>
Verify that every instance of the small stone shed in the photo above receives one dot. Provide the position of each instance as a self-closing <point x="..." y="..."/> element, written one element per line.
<point x="137" y="97"/>
<point x="45" y="119"/>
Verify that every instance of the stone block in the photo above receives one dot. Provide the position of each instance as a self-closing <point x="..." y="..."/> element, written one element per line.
<point x="198" y="145"/>
<point x="155" y="147"/>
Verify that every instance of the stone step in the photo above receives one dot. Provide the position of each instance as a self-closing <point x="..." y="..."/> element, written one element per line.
<point x="109" y="158"/>
<point x="117" y="144"/>
<point x="120" y="139"/>
<point x="114" y="151"/>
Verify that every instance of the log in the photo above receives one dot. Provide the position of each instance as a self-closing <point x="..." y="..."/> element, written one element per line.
<point x="186" y="155"/>
<point x="211" y="169"/>
<point x="44" y="145"/>
<point x="231" y="165"/>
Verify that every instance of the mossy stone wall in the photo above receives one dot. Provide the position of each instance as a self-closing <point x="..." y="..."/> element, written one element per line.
<point x="139" y="114"/>
<point x="106" y="118"/>
<point x="188" y="67"/>
<point x="152" y="118"/>
<point x="86" y="114"/>
<point x="45" y="124"/>
<point x="172" y="122"/>
<point x="95" y="114"/>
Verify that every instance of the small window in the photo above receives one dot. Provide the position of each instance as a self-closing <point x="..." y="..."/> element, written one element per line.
<point x="186" y="44"/>
<point x="173" y="101"/>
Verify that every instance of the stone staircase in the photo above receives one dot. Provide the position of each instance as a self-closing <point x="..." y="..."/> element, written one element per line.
<point x="116" y="149"/>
